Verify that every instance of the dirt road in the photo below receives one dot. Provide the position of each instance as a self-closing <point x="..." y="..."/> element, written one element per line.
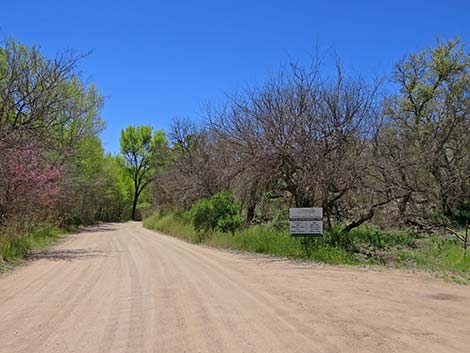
<point x="120" y="288"/>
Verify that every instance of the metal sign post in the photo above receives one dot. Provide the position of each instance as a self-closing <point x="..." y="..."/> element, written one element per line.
<point x="306" y="222"/>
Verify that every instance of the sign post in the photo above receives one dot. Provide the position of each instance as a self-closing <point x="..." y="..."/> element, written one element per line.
<point x="306" y="222"/>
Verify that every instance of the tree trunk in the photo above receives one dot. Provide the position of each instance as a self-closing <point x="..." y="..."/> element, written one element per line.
<point x="134" y="205"/>
<point x="301" y="200"/>
<point x="364" y="218"/>
<point x="250" y="213"/>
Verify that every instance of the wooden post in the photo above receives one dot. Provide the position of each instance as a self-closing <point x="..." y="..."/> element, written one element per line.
<point x="465" y="243"/>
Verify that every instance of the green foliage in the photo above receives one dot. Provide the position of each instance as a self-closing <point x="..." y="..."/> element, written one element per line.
<point x="375" y="236"/>
<point x="438" y="254"/>
<point x="220" y="212"/>
<point x="461" y="214"/>
<point x="46" y="97"/>
<point x="173" y="223"/>
<point x="13" y="249"/>
<point x="89" y="158"/>
<point x="136" y="142"/>
<point x="84" y="104"/>
<point x="400" y="248"/>
<point x="116" y="190"/>
<point x="432" y="77"/>
<point x="46" y="106"/>
<point x="144" y="154"/>
<point x="101" y="187"/>
<point x="202" y="215"/>
<point x="260" y="239"/>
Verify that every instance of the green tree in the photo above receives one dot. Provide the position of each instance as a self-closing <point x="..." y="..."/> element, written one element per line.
<point x="116" y="187"/>
<point x="143" y="155"/>
<point x="48" y="110"/>
<point x="41" y="97"/>
<point x="425" y="149"/>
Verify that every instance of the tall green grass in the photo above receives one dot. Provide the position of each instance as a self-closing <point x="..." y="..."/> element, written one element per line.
<point x="176" y="224"/>
<point x="437" y="254"/>
<point x="15" y="248"/>
<point x="364" y="245"/>
<point x="259" y="239"/>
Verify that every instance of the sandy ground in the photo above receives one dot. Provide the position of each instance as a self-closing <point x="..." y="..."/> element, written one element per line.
<point x="120" y="288"/>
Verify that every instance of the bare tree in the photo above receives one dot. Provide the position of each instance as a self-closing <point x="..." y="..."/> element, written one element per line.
<point x="303" y="135"/>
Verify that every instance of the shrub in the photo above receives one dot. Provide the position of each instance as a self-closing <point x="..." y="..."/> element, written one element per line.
<point x="220" y="212"/>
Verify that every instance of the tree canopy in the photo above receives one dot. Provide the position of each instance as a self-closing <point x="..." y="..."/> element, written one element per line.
<point x="140" y="147"/>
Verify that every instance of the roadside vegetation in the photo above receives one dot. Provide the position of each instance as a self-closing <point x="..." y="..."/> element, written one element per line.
<point x="13" y="249"/>
<point x="54" y="173"/>
<point x="438" y="254"/>
<point x="390" y="168"/>
<point x="387" y="159"/>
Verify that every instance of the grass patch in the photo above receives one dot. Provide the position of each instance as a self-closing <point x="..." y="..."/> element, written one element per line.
<point x="261" y="239"/>
<point x="176" y="224"/>
<point x="441" y="255"/>
<point x="14" y="248"/>
<point x="364" y="245"/>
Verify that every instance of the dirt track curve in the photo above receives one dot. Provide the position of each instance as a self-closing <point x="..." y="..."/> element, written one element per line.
<point x="120" y="288"/>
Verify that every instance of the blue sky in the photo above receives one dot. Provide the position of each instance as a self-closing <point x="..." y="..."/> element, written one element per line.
<point x="155" y="60"/>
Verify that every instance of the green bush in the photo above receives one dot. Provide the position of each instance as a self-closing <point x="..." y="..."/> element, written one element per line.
<point x="220" y="212"/>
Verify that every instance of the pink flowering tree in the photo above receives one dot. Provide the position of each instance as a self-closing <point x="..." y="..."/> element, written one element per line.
<point x="28" y="187"/>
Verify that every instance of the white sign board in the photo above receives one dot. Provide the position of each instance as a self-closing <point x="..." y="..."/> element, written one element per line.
<point x="306" y="221"/>
<point x="306" y="228"/>
<point x="307" y="213"/>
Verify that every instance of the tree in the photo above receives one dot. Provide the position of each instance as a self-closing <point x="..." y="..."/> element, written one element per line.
<point x="28" y="186"/>
<point x="143" y="155"/>
<point x="199" y="165"/>
<point x="115" y="189"/>
<point x="49" y="124"/>
<point x="303" y="137"/>
<point x="424" y="151"/>
<point x="41" y="97"/>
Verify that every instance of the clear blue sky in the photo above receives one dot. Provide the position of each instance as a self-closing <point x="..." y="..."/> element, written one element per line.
<point x="158" y="59"/>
